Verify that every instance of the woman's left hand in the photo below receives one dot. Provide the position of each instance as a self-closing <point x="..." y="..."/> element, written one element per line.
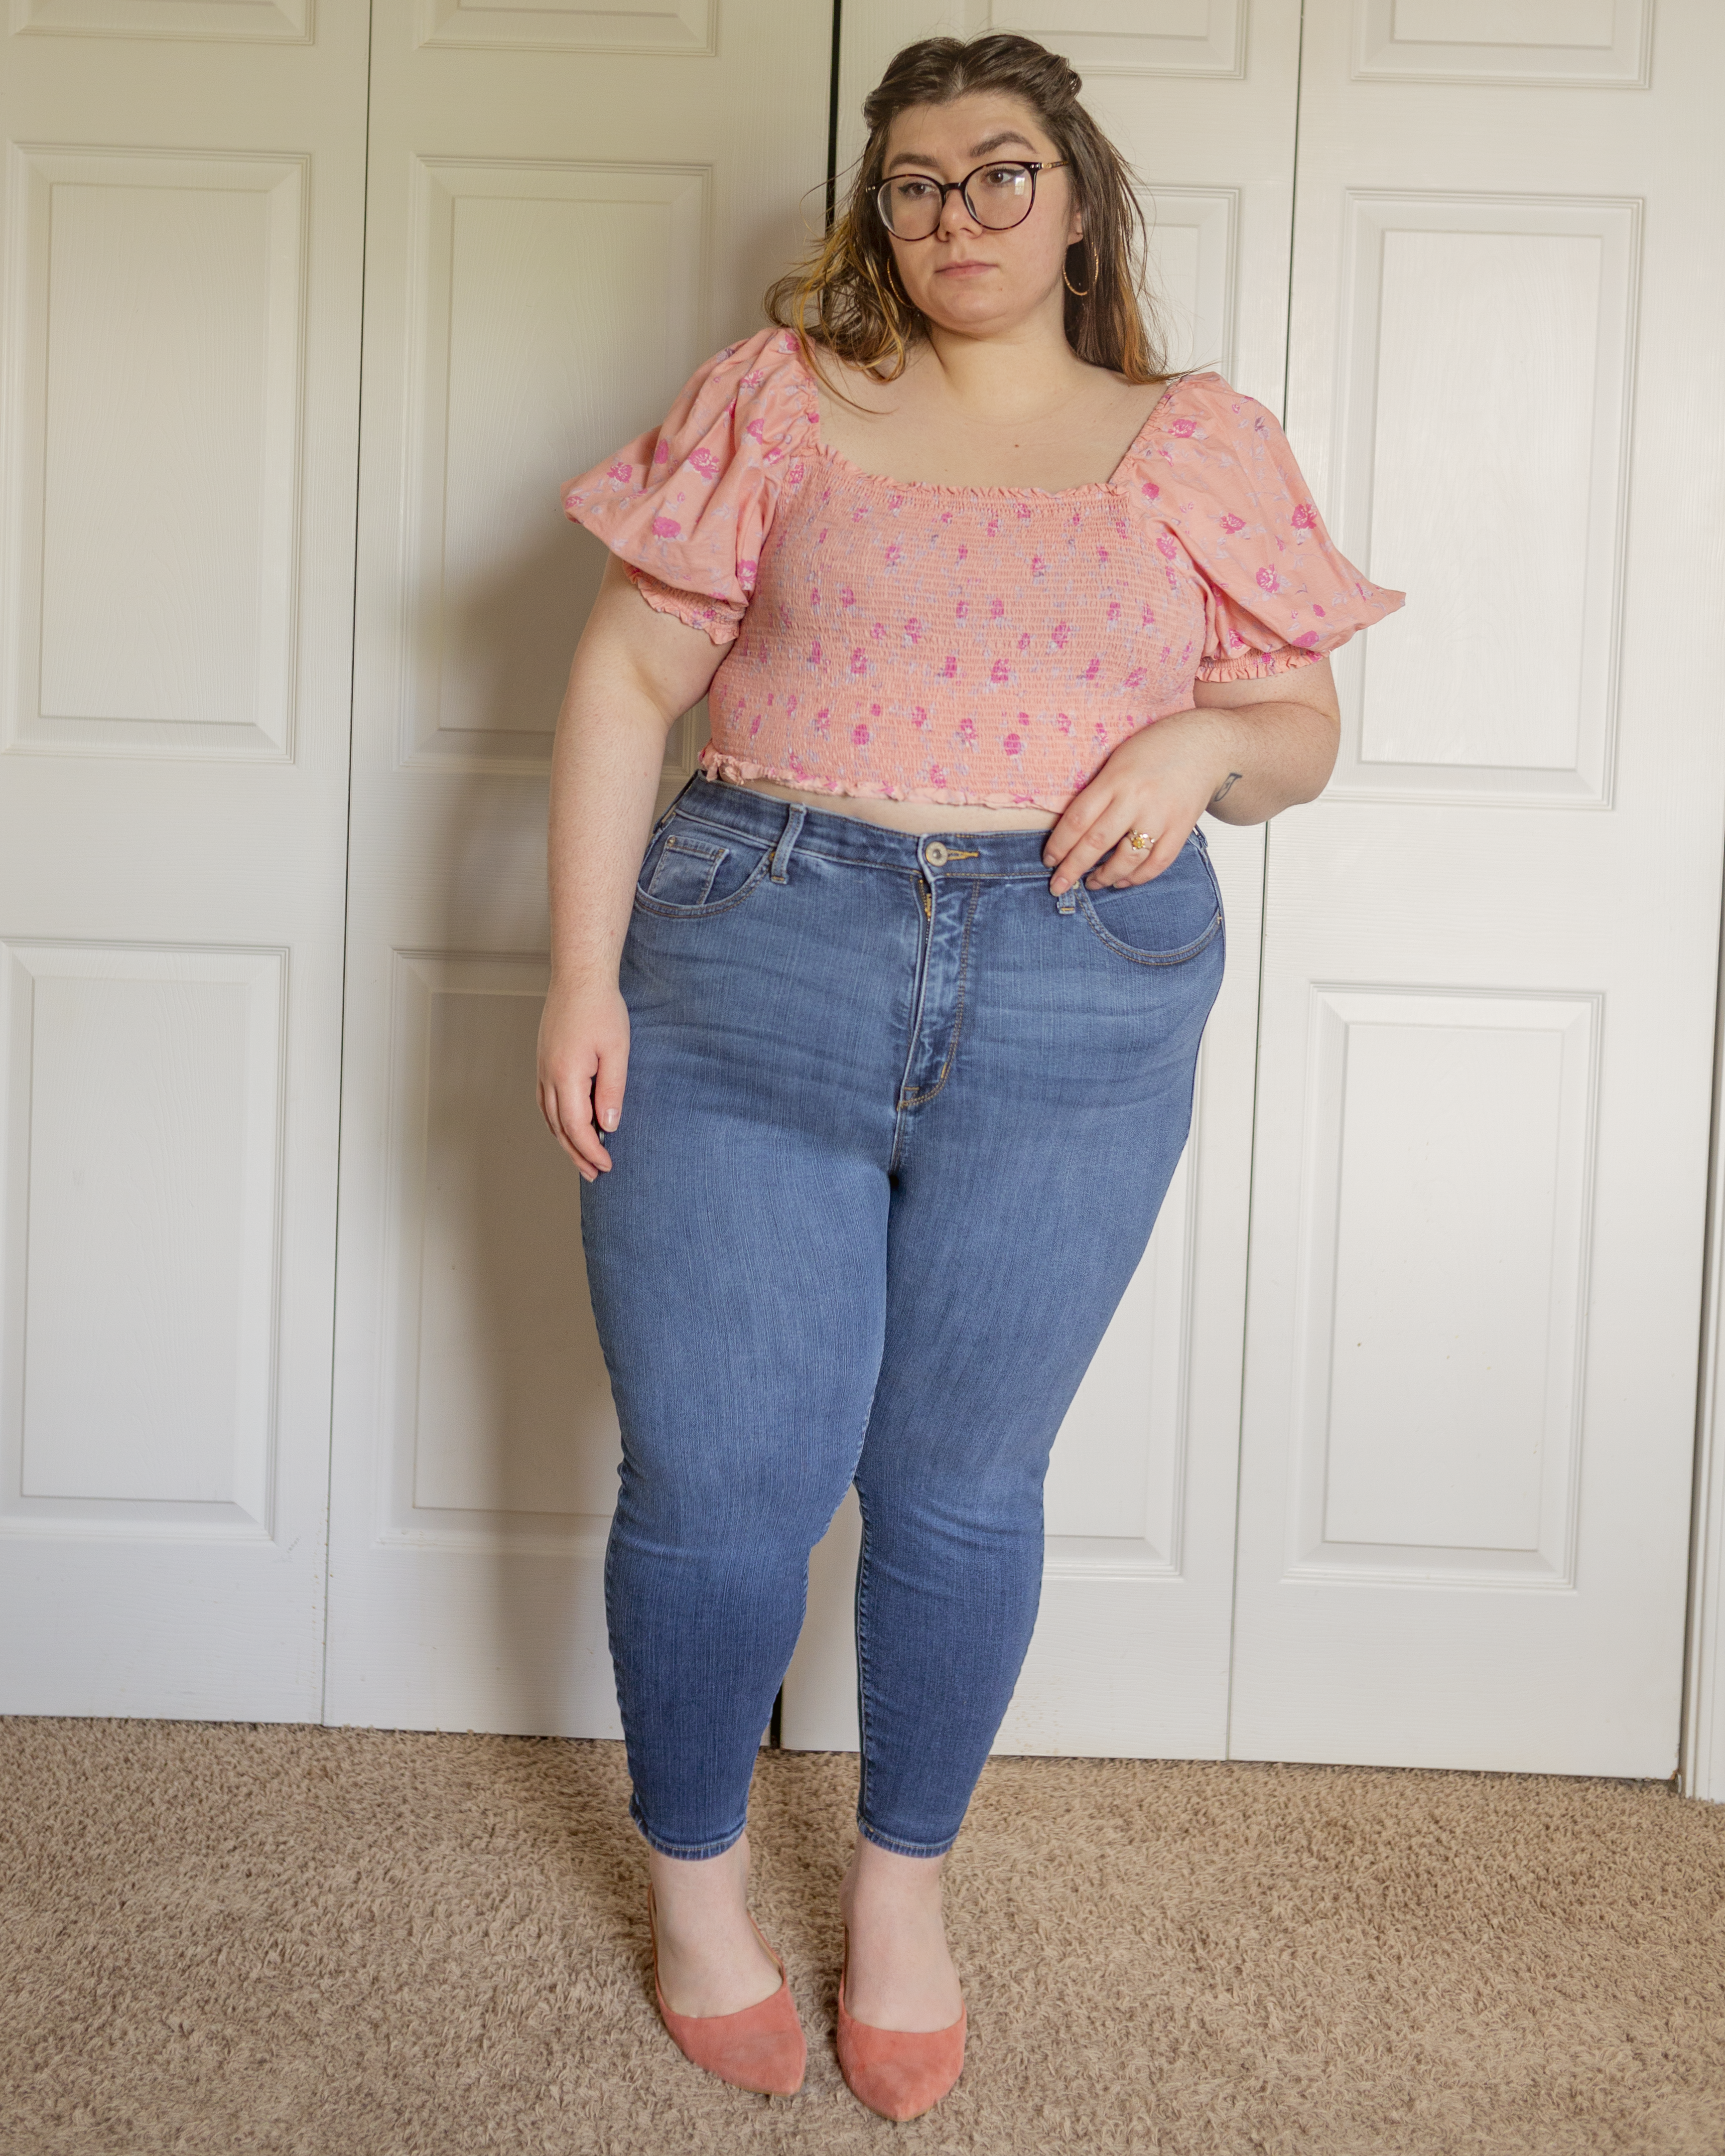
<point x="1160" y="780"/>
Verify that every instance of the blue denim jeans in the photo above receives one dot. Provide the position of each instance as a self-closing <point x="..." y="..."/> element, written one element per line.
<point x="897" y="1127"/>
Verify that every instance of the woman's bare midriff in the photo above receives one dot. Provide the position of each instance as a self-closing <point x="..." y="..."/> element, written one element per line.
<point x="908" y="815"/>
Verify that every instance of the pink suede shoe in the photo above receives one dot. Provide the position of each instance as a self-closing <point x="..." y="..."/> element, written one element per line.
<point x="900" y="2073"/>
<point x="762" y="2048"/>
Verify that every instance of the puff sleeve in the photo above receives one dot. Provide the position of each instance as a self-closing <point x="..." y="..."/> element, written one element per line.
<point x="1218" y="472"/>
<point x="688" y="505"/>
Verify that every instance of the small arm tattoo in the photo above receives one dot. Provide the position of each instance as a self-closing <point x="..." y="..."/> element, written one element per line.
<point x="1225" y="786"/>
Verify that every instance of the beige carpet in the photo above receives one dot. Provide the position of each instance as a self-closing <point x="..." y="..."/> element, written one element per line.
<point x="238" y="1938"/>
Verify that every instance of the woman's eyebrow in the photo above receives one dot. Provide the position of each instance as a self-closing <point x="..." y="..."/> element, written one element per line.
<point x="921" y="159"/>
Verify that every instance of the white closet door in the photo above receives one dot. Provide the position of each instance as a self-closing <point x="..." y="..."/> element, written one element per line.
<point x="1131" y="1646"/>
<point x="1491" y="956"/>
<point x="569" y="209"/>
<point x="179" y="364"/>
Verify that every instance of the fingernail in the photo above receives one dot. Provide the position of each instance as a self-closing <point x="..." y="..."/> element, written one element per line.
<point x="609" y="1119"/>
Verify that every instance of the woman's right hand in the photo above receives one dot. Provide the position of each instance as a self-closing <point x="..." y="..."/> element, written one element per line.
<point x="583" y="1061"/>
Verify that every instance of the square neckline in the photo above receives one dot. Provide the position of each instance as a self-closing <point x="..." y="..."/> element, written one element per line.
<point x="1089" y="487"/>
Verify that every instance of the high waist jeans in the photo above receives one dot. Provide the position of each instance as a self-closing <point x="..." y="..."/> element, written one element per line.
<point x="897" y="1127"/>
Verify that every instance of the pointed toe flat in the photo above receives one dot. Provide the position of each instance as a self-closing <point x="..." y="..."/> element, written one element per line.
<point x="763" y="2048"/>
<point x="900" y="2073"/>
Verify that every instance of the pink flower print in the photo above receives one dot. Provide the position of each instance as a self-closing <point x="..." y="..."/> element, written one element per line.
<point x="746" y="574"/>
<point x="1150" y="491"/>
<point x="997" y="607"/>
<point x="913" y="631"/>
<point x="752" y="380"/>
<point x="962" y="610"/>
<point x="1013" y="744"/>
<point x="919" y="717"/>
<point x="847" y="597"/>
<point x="667" y="527"/>
<point x="824" y="719"/>
<point x="894" y="554"/>
<point x="755" y="724"/>
<point x="966" y="728"/>
<point x="1057" y="635"/>
<point x="894" y="501"/>
<point x="949" y="672"/>
<point x="993" y="527"/>
<point x="877" y="631"/>
<point x="1165" y="546"/>
<point x="815" y="595"/>
<point x="1063" y="720"/>
<point x="798" y="768"/>
<point x="1232" y="523"/>
<point x="946" y="516"/>
<point x="814" y="653"/>
<point x="1092" y="670"/>
<point x="793" y="477"/>
<point x="1102" y="553"/>
<point x="1038" y="566"/>
<point x="1317" y="610"/>
<point x="1304" y="517"/>
<point x="1101" y="732"/>
<point x="859" y="661"/>
<point x="1025" y="511"/>
<point x="998" y="671"/>
<point x="1113" y="609"/>
<point x="937" y="776"/>
<point x="753" y="431"/>
<point x="661" y="455"/>
<point x="1185" y="428"/>
<point x="705" y="462"/>
<point x="1268" y="580"/>
<point x="1146" y="618"/>
<point x="860" y="734"/>
<point x="1025" y="642"/>
<point x="1309" y="639"/>
<point x="1135" y="680"/>
<point x="622" y="472"/>
<point x="963" y="554"/>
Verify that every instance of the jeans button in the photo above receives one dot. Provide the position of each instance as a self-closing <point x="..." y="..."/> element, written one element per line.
<point x="935" y="854"/>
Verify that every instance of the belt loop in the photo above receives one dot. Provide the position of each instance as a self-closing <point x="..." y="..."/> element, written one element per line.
<point x="786" y="840"/>
<point x="1068" y="899"/>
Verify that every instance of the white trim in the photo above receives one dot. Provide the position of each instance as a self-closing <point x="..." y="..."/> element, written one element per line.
<point x="1702" y="1770"/>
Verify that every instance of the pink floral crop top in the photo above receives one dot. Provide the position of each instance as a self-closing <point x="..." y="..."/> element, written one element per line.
<point x="980" y="645"/>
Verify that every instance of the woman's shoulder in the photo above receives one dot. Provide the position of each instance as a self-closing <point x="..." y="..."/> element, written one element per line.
<point x="1208" y="440"/>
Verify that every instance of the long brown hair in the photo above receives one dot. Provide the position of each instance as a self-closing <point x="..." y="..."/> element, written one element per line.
<point x="846" y="297"/>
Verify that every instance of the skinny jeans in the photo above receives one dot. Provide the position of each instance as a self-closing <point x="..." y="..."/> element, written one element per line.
<point x="897" y="1127"/>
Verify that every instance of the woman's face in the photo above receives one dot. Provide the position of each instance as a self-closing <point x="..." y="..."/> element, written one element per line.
<point x="965" y="276"/>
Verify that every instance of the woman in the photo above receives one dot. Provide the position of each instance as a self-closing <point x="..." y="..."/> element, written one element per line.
<point x="907" y="984"/>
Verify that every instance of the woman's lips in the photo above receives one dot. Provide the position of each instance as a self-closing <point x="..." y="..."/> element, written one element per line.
<point x="962" y="269"/>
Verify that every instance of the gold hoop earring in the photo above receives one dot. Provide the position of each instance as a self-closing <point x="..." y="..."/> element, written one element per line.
<point x="1072" y="288"/>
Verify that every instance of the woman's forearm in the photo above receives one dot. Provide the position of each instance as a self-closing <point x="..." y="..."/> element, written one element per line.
<point x="1267" y="757"/>
<point x="604" y="777"/>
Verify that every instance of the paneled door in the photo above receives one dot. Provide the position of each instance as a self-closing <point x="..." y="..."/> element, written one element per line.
<point x="1131" y="1656"/>
<point x="1489" y="958"/>
<point x="179" y="368"/>
<point x="569" y="209"/>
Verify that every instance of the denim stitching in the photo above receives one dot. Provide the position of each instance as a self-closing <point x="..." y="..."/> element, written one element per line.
<point x="916" y="1099"/>
<point x="1149" y="957"/>
<point x="861" y="1623"/>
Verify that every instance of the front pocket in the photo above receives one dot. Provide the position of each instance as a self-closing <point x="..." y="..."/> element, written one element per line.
<point x="1164" y="922"/>
<point x="691" y="869"/>
<point x="684" y="873"/>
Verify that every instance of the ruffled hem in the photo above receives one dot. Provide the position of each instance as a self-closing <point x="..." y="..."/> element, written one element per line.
<point x="1258" y="666"/>
<point x="690" y="607"/>
<point x="739" y="769"/>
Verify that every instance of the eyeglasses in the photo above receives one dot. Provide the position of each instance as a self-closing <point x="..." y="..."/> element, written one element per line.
<point x="911" y="204"/>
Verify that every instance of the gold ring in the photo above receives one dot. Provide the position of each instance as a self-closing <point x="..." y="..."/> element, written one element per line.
<point x="1141" y="842"/>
